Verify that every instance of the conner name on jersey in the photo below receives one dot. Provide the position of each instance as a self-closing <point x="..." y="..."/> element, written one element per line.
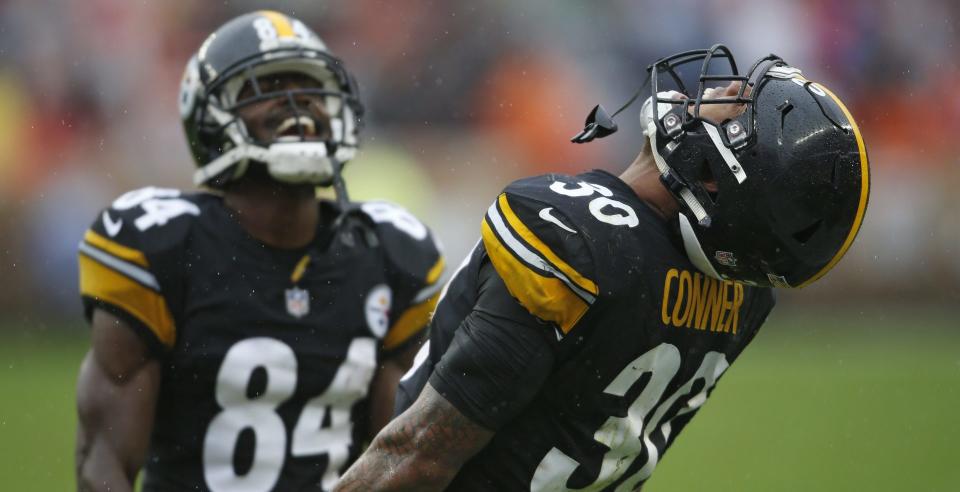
<point x="694" y="300"/>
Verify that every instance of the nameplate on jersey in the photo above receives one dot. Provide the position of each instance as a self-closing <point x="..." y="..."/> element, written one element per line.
<point x="696" y="301"/>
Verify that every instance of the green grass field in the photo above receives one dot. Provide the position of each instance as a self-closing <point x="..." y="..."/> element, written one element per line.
<point x="844" y="402"/>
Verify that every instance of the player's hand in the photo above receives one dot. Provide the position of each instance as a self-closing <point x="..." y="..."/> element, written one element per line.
<point x="719" y="113"/>
<point x="716" y="113"/>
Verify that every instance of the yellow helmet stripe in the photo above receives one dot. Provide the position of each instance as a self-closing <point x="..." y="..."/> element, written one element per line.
<point x="280" y="23"/>
<point x="864" y="192"/>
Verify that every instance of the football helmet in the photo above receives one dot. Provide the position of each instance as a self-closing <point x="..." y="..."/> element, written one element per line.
<point x="231" y="62"/>
<point x="773" y="196"/>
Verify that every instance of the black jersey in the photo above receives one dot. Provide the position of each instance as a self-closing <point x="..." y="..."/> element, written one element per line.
<point x="612" y="343"/>
<point x="266" y="354"/>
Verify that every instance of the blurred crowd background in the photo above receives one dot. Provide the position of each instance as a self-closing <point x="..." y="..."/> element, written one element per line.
<point x="852" y="385"/>
<point x="462" y="97"/>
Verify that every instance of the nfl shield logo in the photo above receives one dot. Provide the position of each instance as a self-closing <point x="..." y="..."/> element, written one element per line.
<point x="298" y="302"/>
<point x="725" y="258"/>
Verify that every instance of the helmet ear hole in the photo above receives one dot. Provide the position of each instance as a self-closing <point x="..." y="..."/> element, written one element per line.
<point x="804" y="235"/>
<point x="708" y="180"/>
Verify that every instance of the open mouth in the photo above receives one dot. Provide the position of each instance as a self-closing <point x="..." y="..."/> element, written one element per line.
<point x="292" y="128"/>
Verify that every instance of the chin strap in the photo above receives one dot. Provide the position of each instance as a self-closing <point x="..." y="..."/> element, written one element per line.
<point x="673" y="182"/>
<point x="670" y="179"/>
<point x="352" y="221"/>
<point x="694" y="251"/>
<point x="677" y="186"/>
<point x="227" y="159"/>
<point x="291" y="162"/>
<point x="731" y="160"/>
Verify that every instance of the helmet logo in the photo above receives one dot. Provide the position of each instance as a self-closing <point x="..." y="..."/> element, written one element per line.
<point x="725" y="258"/>
<point x="778" y="281"/>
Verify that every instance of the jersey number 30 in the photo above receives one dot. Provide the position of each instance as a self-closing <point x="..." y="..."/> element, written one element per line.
<point x="622" y="214"/>
<point x="626" y="437"/>
<point x="257" y="413"/>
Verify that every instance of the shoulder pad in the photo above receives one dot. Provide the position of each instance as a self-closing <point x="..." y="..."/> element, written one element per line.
<point x="416" y="263"/>
<point x="131" y="251"/>
<point x="534" y="241"/>
<point x="408" y="242"/>
<point x="150" y="219"/>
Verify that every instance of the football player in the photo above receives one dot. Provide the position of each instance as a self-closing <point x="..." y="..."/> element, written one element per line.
<point x="598" y="312"/>
<point x="250" y="337"/>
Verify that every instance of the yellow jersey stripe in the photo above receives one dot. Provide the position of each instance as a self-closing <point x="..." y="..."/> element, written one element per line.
<point x="531" y="239"/>
<point x="105" y="284"/>
<point x="436" y="270"/>
<point x="864" y="192"/>
<point x="300" y="269"/>
<point x="116" y="249"/>
<point x="547" y="298"/>
<point x="280" y="23"/>
<point x="534" y="261"/>
<point x="411" y="322"/>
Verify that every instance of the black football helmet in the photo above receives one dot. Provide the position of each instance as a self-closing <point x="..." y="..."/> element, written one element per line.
<point x="788" y="177"/>
<point x="235" y="56"/>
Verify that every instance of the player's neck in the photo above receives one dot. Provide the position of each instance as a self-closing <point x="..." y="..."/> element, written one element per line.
<point x="278" y="215"/>
<point x="643" y="177"/>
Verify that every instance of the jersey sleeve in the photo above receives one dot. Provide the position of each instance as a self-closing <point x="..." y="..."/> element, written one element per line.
<point x="415" y="265"/>
<point x="498" y="359"/>
<point x="544" y="259"/>
<point x="129" y="264"/>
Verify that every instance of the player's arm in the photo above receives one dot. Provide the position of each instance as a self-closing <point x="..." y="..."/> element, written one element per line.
<point x="500" y="356"/>
<point x="384" y="386"/>
<point x="497" y="362"/>
<point x="415" y="267"/>
<point x="421" y="450"/>
<point x="116" y="397"/>
<point x="400" y="346"/>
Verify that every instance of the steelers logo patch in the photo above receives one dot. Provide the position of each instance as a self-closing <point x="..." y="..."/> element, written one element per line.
<point x="377" y="309"/>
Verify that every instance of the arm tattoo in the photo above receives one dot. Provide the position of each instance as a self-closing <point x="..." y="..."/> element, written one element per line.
<point x="421" y="450"/>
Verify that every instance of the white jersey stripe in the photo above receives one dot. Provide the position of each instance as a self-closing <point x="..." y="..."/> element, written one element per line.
<point x="124" y="267"/>
<point x="529" y="257"/>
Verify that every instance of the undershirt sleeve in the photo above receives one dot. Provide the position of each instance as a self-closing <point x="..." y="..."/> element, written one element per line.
<point x="499" y="358"/>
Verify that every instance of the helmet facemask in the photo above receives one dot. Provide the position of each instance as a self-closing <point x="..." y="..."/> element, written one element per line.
<point x="742" y="179"/>
<point x="684" y="125"/>
<point x="770" y="194"/>
<point x="325" y="135"/>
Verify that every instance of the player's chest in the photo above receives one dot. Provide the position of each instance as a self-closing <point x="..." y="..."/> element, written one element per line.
<point x="318" y="303"/>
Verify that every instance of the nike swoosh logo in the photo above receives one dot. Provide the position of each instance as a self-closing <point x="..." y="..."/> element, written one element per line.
<point x="112" y="227"/>
<point x="547" y="216"/>
<point x="559" y="335"/>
